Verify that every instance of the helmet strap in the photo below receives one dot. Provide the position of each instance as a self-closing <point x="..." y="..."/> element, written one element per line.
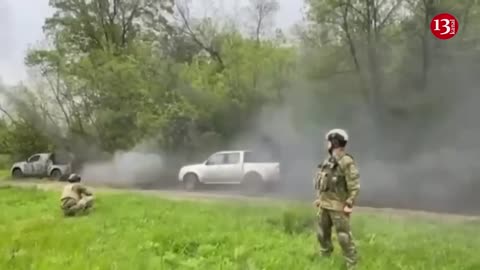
<point x="330" y="147"/>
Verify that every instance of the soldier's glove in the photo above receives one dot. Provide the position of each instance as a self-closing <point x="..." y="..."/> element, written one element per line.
<point x="316" y="203"/>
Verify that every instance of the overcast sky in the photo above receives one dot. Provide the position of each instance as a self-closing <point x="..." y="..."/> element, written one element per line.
<point x="21" y="26"/>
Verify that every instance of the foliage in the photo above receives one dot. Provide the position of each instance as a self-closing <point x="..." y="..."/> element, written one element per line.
<point x="4" y="173"/>
<point x="116" y="73"/>
<point x="125" y="232"/>
<point x="113" y="79"/>
<point x="23" y="140"/>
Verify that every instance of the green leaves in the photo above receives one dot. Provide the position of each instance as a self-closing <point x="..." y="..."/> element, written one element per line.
<point x="118" y="72"/>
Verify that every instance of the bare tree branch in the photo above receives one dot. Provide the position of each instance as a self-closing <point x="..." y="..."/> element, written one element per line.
<point x="7" y="114"/>
<point x="389" y="14"/>
<point x="346" y="29"/>
<point x="184" y="11"/>
<point x="352" y="7"/>
<point x="56" y="93"/>
<point x="466" y="15"/>
<point x="262" y="10"/>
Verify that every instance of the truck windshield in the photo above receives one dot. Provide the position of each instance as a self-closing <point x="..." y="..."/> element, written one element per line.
<point x="255" y="157"/>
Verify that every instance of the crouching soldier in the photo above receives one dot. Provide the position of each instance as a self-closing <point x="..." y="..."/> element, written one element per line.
<point x="76" y="198"/>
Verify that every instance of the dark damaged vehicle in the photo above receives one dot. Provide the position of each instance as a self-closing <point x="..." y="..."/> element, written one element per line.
<point x="41" y="165"/>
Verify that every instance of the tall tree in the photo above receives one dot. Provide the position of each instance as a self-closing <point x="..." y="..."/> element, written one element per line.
<point x="262" y="16"/>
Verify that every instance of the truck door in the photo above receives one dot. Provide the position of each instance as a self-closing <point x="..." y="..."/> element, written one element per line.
<point x="211" y="172"/>
<point x="40" y="167"/>
<point x="231" y="171"/>
<point x="32" y="163"/>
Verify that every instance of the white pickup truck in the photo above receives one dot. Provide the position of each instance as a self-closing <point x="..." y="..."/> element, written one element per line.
<point x="232" y="167"/>
<point x="40" y="165"/>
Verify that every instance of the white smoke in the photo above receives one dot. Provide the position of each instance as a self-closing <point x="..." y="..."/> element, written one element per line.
<point x="125" y="169"/>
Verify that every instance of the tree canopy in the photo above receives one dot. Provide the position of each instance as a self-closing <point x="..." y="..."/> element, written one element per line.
<point x="116" y="73"/>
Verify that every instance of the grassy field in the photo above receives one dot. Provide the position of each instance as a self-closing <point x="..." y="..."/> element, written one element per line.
<point x="4" y="174"/>
<point x="127" y="231"/>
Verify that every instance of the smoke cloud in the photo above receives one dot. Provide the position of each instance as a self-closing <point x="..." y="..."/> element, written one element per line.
<point x="125" y="169"/>
<point x="414" y="161"/>
<point x="142" y="166"/>
<point x="426" y="159"/>
<point x="421" y="151"/>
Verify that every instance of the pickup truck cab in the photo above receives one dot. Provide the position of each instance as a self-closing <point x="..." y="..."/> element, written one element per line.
<point x="40" y="165"/>
<point x="232" y="167"/>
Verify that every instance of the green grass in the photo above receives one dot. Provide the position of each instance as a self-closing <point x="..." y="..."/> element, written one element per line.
<point x="4" y="174"/>
<point x="127" y="231"/>
<point x="5" y="161"/>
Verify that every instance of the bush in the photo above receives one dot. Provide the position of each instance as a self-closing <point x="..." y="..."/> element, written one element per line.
<point x="5" y="162"/>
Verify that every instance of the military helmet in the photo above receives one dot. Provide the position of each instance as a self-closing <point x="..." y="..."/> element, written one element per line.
<point x="74" y="178"/>
<point x="338" y="134"/>
<point x="336" y="138"/>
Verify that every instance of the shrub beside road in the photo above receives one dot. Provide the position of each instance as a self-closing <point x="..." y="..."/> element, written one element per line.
<point x="4" y="174"/>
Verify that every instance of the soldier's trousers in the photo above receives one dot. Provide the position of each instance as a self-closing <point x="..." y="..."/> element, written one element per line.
<point x="72" y="207"/>
<point x="341" y="221"/>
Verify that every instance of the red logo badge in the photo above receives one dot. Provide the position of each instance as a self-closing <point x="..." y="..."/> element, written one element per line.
<point x="444" y="26"/>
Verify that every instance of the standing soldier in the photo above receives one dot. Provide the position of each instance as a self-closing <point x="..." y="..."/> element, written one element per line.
<point x="76" y="198"/>
<point x="337" y="184"/>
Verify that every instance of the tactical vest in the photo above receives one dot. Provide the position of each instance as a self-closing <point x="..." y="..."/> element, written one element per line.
<point x="331" y="184"/>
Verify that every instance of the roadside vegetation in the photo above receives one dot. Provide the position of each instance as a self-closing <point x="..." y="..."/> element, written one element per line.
<point x="5" y="164"/>
<point x="128" y="231"/>
<point x="117" y="75"/>
<point x="191" y="84"/>
<point x="4" y="174"/>
<point x="183" y="81"/>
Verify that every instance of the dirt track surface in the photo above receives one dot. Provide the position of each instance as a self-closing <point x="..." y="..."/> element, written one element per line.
<point x="209" y="196"/>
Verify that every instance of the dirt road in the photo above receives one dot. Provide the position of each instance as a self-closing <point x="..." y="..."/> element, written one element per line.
<point x="209" y="196"/>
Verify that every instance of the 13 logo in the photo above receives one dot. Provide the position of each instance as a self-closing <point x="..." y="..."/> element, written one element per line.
<point x="444" y="26"/>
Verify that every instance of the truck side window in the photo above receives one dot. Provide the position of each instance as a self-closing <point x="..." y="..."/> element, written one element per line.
<point x="255" y="157"/>
<point x="233" y="158"/>
<point x="216" y="159"/>
<point x="34" y="158"/>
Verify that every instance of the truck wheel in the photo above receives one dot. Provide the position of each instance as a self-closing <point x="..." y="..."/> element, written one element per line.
<point x="190" y="181"/>
<point x="253" y="183"/>
<point x="56" y="174"/>
<point x="17" y="173"/>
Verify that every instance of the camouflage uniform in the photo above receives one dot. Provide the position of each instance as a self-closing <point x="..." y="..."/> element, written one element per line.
<point x="75" y="199"/>
<point x="337" y="184"/>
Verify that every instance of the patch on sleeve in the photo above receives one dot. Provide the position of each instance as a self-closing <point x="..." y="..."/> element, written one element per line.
<point x="352" y="170"/>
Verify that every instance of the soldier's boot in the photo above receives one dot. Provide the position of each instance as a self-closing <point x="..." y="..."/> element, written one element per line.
<point x="89" y="204"/>
<point x="326" y="254"/>
<point x="351" y="267"/>
<point x="68" y="213"/>
<point x="326" y="246"/>
<point x="84" y="205"/>
<point x="349" y="249"/>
